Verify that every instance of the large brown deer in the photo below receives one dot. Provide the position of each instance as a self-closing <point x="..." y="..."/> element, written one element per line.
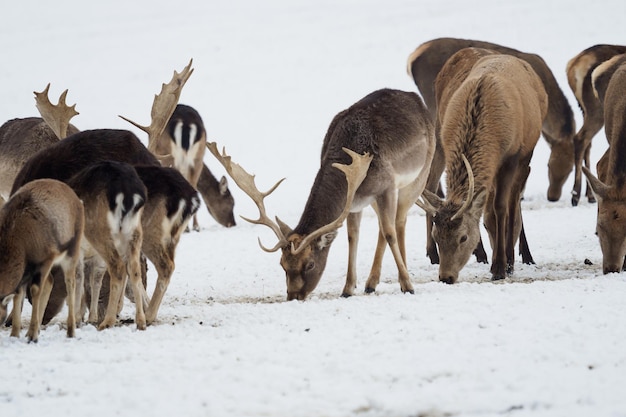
<point x="610" y="188"/>
<point x="489" y="125"/>
<point x="390" y="139"/>
<point x="558" y="126"/>
<point x="579" y="77"/>
<point x="41" y="226"/>
<point x="171" y="200"/>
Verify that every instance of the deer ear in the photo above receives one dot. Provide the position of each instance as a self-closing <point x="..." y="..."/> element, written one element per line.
<point x="223" y="185"/>
<point x="326" y="239"/>
<point x="599" y="189"/>
<point x="478" y="203"/>
<point x="432" y="198"/>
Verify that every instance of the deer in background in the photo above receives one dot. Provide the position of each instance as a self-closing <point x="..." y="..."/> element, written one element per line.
<point x="171" y="200"/>
<point x="579" y="77"/>
<point x="609" y="80"/>
<point x="489" y="125"/>
<point x="389" y="137"/>
<point x="558" y="126"/>
<point x="41" y="226"/>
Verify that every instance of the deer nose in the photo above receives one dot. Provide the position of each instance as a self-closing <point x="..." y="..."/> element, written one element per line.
<point x="448" y="279"/>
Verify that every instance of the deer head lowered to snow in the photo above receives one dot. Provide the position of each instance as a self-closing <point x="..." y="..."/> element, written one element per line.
<point x="490" y="123"/>
<point x="389" y="139"/>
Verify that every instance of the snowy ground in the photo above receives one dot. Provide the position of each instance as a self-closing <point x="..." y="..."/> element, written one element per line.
<point x="269" y="78"/>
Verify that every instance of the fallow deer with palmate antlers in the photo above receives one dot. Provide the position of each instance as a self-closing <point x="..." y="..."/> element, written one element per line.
<point x="171" y="200"/>
<point x="489" y="127"/>
<point x="41" y="226"/>
<point x="558" y="126"/>
<point x="609" y="80"/>
<point x="579" y="77"/>
<point x="390" y="139"/>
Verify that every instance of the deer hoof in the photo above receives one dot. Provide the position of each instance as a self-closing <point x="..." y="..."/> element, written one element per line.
<point x="498" y="277"/>
<point x="369" y="290"/>
<point x="346" y="295"/>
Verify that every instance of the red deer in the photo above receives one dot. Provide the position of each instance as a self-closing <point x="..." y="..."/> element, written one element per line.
<point x="558" y="127"/>
<point x="171" y="200"/>
<point x="610" y="189"/>
<point x="41" y="226"/>
<point x="390" y="139"/>
<point x="489" y="125"/>
<point x="579" y="70"/>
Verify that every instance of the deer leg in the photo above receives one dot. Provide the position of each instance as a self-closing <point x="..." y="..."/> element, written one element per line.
<point x="588" y="191"/>
<point x="592" y="123"/>
<point x="40" y="294"/>
<point x="164" y="264"/>
<point x="95" y="283"/>
<point x="374" y="277"/>
<point x="116" y="276"/>
<point x="353" y="222"/>
<point x="501" y="208"/>
<point x="433" y="184"/>
<point x="134" y="271"/>
<point x="70" y="284"/>
<point x="16" y="311"/>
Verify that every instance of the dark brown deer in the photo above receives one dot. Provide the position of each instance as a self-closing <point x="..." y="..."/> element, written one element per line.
<point x="489" y="125"/>
<point x="171" y="200"/>
<point x="579" y="70"/>
<point x="217" y="197"/>
<point x="558" y="127"/>
<point x="41" y="226"/>
<point x="390" y="139"/>
<point x="610" y="189"/>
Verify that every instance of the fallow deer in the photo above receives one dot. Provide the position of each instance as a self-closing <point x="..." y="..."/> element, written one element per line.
<point x="217" y="197"/>
<point x="489" y="125"/>
<point x="610" y="189"/>
<point x="390" y="139"/>
<point x="41" y="226"/>
<point x="171" y="200"/>
<point x="558" y="127"/>
<point x="579" y="77"/>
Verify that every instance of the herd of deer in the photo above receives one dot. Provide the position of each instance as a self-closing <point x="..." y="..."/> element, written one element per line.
<point x="85" y="208"/>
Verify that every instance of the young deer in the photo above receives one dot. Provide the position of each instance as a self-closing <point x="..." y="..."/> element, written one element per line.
<point x="390" y="139"/>
<point x="41" y="226"/>
<point x="491" y="112"/>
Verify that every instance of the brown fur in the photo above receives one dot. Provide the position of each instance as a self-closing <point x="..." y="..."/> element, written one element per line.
<point x="493" y="117"/>
<point x="579" y="70"/>
<point x="41" y="226"/>
<point x="610" y="189"/>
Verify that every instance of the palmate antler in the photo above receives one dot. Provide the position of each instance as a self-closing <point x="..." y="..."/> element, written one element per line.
<point x="56" y="116"/>
<point x="355" y="174"/>
<point x="245" y="182"/>
<point x="163" y="107"/>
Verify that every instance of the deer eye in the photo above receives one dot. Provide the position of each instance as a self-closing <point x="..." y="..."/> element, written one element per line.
<point x="463" y="239"/>
<point x="309" y="266"/>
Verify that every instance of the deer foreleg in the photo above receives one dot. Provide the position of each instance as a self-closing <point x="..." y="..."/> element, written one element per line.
<point x="16" y="311"/>
<point x="40" y="294"/>
<point x="164" y="265"/>
<point x="70" y="284"/>
<point x="353" y="222"/>
<point x="134" y="272"/>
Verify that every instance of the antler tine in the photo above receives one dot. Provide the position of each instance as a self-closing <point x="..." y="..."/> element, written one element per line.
<point x="245" y="182"/>
<point x="355" y="174"/>
<point x="56" y="116"/>
<point x="163" y="107"/>
<point x="470" y="189"/>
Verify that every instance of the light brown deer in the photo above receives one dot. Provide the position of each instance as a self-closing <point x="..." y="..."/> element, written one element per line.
<point x="579" y="76"/>
<point x="41" y="226"/>
<point x="171" y="200"/>
<point x="558" y="126"/>
<point x="390" y="139"/>
<point x="610" y="189"/>
<point x="489" y="125"/>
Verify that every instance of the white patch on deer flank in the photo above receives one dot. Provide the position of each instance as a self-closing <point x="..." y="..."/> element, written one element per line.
<point x="175" y="220"/>
<point x="123" y="226"/>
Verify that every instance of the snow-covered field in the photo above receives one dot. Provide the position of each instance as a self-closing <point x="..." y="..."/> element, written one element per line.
<point x="269" y="76"/>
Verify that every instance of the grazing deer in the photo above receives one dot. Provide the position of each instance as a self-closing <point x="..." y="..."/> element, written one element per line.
<point x="41" y="226"/>
<point x="558" y="127"/>
<point x="579" y="77"/>
<point x="171" y="200"/>
<point x="390" y="139"/>
<point x="217" y="197"/>
<point x="489" y="125"/>
<point x="610" y="188"/>
<point x="22" y="138"/>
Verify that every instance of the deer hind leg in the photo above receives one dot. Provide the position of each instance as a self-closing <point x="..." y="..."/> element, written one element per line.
<point x="95" y="283"/>
<point x="592" y="123"/>
<point x="69" y="273"/>
<point x="116" y="275"/>
<point x="163" y="262"/>
<point x="40" y="294"/>
<point x="353" y="224"/>
<point x="16" y="311"/>
<point x="134" y="272"/>
<point x="501" y="207"/>
<point x="374" y="277"/>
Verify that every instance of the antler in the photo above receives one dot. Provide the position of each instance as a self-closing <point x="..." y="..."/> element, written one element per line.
<point x="245" y="181"/>
<point x="57" y="117"/>
<point x="470" y="189"/>
<point x="163" y="107"/>
<point x="355" y="174"/>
